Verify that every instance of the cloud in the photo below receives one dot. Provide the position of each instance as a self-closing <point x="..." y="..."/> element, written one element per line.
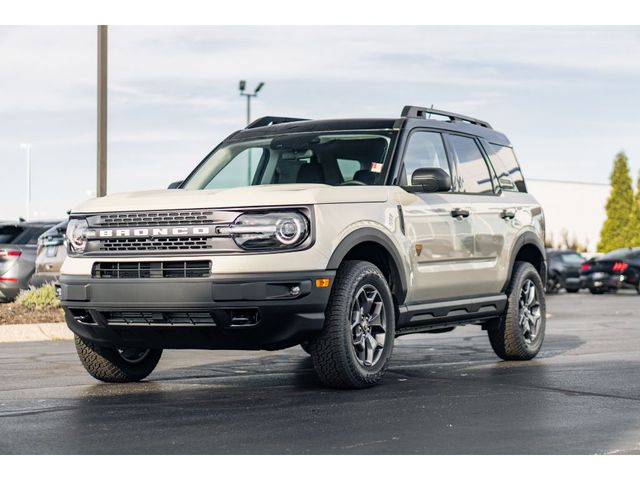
<point x="557" y="91"/>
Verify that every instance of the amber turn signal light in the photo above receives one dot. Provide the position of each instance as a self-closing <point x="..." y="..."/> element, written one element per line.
<point x="322" y="282"/>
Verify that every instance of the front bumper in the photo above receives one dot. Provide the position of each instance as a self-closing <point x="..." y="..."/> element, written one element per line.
<point x="573" y="282"/>
<point x="261" y="311"/>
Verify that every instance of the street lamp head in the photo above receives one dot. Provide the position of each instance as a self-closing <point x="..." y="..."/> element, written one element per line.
<point x="259" y="87"/>
<point x="242" y="85"/>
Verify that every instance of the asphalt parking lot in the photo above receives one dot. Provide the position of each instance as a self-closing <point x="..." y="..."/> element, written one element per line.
<point x="443" y="394"/>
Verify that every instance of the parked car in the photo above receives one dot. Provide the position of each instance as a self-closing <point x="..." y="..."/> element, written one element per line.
<point x="338" y="235"/>
<point x="50" y="255"/>
<point x="612" y="271"/>
<point x="17" y="255"/>
<point x="564" y="270"/>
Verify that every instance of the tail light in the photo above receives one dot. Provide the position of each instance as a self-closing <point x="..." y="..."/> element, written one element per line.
<point x="10" y="253"/>
<point x="584" y="267"/>
<point x="619" y="266"/>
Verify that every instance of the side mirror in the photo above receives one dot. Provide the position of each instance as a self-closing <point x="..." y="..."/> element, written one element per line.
<point x="175" y="185"/>
<point x="430" y="180"/>
<point x="507" y="184"/>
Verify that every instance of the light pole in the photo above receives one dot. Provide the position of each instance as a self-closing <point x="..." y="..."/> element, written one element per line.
<point x="101" y="167"/>
<point x="242" y="86"/>
<point x="27" y="147"/>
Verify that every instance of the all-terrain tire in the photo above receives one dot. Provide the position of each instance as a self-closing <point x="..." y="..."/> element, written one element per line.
<point x="109" y="365"/>
<point x="506" y="336"/>
<point x="333" y="352"/>
<point x="305" y="346"/>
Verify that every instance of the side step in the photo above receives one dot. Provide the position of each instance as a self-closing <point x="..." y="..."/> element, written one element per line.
<point x="433" y="315"/>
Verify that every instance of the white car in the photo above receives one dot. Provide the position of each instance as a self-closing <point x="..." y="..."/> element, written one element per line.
<point x="338" y="235"/>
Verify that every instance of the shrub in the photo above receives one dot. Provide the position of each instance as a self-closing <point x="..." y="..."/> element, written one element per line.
<point x="39" y="298"/>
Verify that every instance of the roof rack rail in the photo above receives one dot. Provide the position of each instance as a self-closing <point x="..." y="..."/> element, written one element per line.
<point x="420" y="112"/>
<point x="266" y="121"/>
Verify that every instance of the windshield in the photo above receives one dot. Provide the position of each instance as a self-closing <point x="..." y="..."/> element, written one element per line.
<point x="573" y="258"/>
<point x="336" y="158"/>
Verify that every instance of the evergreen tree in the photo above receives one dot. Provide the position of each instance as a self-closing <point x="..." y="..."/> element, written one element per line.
<point x="632" y="231"/>
<point x="614" y="231"/>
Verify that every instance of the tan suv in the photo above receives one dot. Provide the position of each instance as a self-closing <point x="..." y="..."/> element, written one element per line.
<point x="338" y="235"/>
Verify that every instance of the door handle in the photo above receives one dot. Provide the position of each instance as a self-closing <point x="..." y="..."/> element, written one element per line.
<point x="460" y="212"/>
<point x="507" y="214"/>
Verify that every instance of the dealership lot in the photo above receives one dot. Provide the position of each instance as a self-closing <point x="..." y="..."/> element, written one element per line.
<point x="443" y="394"/>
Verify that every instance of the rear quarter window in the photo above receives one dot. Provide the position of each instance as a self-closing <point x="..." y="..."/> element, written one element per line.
<point x="506" y="165"/>
<point x="9" y="233"/>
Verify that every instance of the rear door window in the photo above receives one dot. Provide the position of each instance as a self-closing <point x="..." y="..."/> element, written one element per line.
<point x="348" y="168"/>
<point x="474" y="175"/>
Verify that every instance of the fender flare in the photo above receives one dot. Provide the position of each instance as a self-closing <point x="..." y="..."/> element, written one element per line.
<point x="527" y="238"/>
<point x="368" y="234"/>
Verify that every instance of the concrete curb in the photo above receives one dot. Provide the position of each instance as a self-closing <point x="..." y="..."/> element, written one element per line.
<point x="34" y="332"/>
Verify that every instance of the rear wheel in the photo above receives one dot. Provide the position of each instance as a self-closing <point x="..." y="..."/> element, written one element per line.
<point x="573" y="290"/>
<point x="519" y="334"/>
<point x="355" y="345"/>
<point x="115" y="365"/>
<point x="596" y="291"/>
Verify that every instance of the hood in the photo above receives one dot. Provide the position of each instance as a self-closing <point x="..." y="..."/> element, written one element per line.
<point x="241" y="197"/>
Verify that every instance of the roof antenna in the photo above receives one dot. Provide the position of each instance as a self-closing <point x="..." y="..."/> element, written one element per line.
<point x="430" y="112"/>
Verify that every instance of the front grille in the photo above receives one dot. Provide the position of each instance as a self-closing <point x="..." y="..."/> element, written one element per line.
<point x="173" y="269"/>
<point x="169" y="217"/>
<point x="159" y="318"/>
<point x="160" y="243"/>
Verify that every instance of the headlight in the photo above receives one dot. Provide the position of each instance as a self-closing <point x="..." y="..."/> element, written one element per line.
<point x="77" y="235"/>
<point x="269" y="231"/>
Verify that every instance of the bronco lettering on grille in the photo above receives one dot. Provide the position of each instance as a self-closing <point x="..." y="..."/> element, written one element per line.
<point x="189" y="231"/>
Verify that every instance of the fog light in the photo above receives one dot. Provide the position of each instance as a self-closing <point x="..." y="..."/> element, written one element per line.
<point x="322" y="282"/>
<point x="294" y="291"/>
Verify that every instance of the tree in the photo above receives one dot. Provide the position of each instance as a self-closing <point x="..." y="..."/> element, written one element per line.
<point x="632" y="231"/>
<point x="618" y="208"/>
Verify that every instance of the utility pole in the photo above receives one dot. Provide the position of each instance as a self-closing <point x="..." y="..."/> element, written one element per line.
<point x="27" y="147"/>
<point x="101" y="175"/>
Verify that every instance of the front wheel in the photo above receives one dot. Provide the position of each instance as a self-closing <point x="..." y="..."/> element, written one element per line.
<point x="115" y="365"/>
<point x="519" y="333"/>
<point x="355" y="345"/>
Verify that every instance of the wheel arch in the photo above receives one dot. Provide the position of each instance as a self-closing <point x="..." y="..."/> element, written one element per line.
<point x="374" y="246"/>
<point x="529" y="248"/>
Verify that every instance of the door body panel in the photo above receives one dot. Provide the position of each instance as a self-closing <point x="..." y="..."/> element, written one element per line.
<point x="443" y="247"/>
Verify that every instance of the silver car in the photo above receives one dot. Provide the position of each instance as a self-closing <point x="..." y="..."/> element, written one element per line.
<point x="18" y="243"/>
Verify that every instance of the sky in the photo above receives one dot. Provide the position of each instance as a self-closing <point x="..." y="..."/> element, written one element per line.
<point x="567" y="97"/>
